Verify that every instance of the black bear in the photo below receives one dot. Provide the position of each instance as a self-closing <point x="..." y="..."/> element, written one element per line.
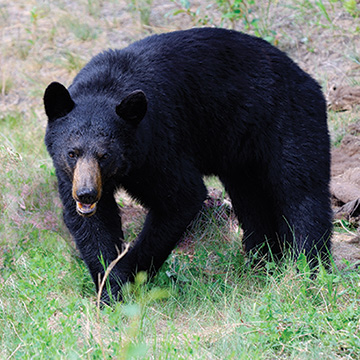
<point x="158" y="115"/>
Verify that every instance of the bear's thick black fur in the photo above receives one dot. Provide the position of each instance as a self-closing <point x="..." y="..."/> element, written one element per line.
<point x="158" y="115"/>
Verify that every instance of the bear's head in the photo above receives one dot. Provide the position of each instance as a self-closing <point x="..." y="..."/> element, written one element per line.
<point x="92" y="140"/>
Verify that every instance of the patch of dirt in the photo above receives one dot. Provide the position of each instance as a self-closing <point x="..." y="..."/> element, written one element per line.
<point x="345" y="167"/>
<point x="132" y="214"/>
<point x="345" y="191"/>
<point x="346" y="250"/>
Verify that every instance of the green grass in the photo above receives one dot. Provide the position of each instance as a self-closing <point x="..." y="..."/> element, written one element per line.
<point x="206" y="302"/>
<point x="81" y="31"/>
<point x="206" y="305"/>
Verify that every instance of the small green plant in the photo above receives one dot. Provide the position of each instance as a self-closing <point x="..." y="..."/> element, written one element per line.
<point x="94" y="7"/>
<point x="72" y="62"/>
<point x="235" y="11"/>
<point x="82" y="31"/>
<point x="234" y="14"/>
<point x="184" y="7"/>
<point x="324" y="11"/>
<point x="261" y="23"/>
<point x="5" y="85"/>
<point x="352" y="7"/>
<point x="32" y="30"/>
<point x="137" y="297"/>
<point x="143" y="8"/>
<point x="4" y="14"/>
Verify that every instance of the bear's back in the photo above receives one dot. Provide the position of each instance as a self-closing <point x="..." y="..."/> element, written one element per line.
<point x="185" y="58"/>
<point x="212" y="85"/>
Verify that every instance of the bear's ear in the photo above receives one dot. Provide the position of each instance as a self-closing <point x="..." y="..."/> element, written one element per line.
<point x="57" y="101"/>
<point x="133" y="107"/>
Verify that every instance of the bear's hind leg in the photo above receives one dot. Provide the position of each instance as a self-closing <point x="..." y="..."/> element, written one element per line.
<point x="254" y="208"/>
<point x="307" y="224"/>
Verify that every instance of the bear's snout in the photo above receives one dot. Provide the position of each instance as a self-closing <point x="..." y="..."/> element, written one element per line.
<point x="87" y="195"/>
<point x="87" y="186"/>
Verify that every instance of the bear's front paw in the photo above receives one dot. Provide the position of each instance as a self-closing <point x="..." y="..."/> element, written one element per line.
<point x="111" y="291"/>
<point x="110" y="295"/>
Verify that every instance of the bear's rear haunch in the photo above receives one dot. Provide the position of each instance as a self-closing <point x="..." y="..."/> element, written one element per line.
<point x="158" y="115"/>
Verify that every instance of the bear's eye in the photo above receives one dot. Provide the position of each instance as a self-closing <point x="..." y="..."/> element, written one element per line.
<point x="72" y="154"/>
<point x="104" y="156"/>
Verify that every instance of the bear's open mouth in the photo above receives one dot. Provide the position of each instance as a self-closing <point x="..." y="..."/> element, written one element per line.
<point x="85" y="209"/>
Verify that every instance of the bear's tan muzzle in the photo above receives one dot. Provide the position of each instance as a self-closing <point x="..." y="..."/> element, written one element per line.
<point x="87" y="186"/>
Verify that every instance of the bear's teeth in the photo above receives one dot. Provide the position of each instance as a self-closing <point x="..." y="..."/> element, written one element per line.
<point x="85" y="208"/>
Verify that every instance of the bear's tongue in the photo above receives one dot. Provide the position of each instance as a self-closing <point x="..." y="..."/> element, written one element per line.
<point x="85" y="209"/>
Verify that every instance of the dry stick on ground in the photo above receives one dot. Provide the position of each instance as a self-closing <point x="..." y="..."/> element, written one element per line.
<point x="343" y="226"/>
<point x="108" y="270"/>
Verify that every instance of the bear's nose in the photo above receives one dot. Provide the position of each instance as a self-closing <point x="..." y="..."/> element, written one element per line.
<point x="87" y="195"/>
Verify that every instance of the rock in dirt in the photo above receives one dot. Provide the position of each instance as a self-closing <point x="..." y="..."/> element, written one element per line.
<point x="345" y="172"/>
<point x="342" y="98"/>
<point x="346" y="187"/>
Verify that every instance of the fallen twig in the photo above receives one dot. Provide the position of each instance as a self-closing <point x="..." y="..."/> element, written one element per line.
<point x="108" y="270"/>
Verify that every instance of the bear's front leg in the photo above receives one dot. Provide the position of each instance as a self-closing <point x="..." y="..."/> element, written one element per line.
<point x="97" y="237"/>
<point x="162" y="230"/>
